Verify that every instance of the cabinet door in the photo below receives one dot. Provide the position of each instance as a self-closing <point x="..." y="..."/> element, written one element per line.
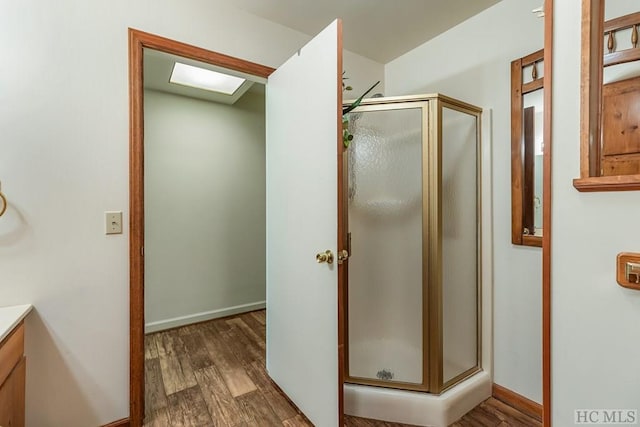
<point x="620" y="135"/>
<point x="12" y="396"/>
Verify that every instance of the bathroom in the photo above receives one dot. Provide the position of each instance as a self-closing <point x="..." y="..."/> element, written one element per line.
<point x="65" y="162"/>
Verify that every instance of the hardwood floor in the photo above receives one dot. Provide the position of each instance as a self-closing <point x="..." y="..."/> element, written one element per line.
<point x="212" y="374"/>
<point x="494" y="413"/>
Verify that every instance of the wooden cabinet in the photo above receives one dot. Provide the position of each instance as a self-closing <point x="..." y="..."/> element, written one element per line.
<point x="621" y="127"/>
<point x="12" y="379"/>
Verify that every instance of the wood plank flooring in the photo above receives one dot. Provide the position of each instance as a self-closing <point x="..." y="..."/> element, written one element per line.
<point x="490" y="413"/>
<point x="213" y="374"/>
<point x="494" y="413"/>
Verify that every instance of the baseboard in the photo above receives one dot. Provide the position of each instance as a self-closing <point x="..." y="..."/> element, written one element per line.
<point x="176" y="322"/>
<point x="517" y="401"/>
<point x="120" y="423"/>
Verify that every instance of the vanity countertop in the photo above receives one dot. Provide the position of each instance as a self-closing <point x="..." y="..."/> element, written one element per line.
<point x="11" y="316"/>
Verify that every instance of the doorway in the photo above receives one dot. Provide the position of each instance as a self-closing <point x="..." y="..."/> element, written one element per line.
<point x="138" y="43"/>
<point x="295" y="165"/>
<point x="204" y="195"/>
<point x="204" y="246"/>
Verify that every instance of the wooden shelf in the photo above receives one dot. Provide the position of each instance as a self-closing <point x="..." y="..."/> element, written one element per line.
<point x="608" y="183"/>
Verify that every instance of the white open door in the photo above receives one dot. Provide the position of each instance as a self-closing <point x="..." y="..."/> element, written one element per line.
<point x="303" y="119"/>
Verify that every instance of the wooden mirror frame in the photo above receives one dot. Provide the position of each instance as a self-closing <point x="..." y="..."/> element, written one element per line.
<point x="591" y="106"/>
<point x="522" y="156"/>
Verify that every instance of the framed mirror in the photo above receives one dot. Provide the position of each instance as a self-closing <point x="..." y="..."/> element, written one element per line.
<point x="610" y="83"/>
<point x="527" y="125"/>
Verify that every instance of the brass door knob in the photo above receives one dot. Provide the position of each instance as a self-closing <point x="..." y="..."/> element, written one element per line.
<point x="326" y="256"/>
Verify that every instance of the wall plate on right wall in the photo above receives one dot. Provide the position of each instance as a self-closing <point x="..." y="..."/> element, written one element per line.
<point x="628" y="270"/>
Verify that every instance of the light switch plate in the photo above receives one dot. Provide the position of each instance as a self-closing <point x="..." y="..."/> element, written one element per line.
<point x="627" y="274"/>
<point x="113" y="222"/>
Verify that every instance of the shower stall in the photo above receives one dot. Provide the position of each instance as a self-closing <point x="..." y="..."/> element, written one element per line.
<point x="413" y="289"/>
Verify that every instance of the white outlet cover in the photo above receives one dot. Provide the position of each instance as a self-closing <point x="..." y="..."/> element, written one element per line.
<point x="113" y="222"/>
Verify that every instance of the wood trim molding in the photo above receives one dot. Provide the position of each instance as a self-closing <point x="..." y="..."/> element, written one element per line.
<point x="533" y="57"/>
<point x="535" y="241"/>
<point x="139" y="40"/>
<point x="619" y="24"/>
<point x="546" y="214"/>
<point x="516" y="152"/>
<point x="517" y="401"/>
<point x="608" y="183"/>
<point x="533" y="86"/>
<point x="522" y="155"/>
<point x="622" y="22"/>
<point x="593" y="60"/>
<point x="152" y="41"/>
<point x="590" y="87"/>
<point x="616" y="58"/>
<point x="120" y="423"/>
<point x="136" y="231"/>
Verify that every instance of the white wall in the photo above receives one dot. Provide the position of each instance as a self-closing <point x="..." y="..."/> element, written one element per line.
<point x="595" y="339"/>
<point x="362" y="73"/>
<point x="64" y="161"/>
<point x="472" y="62"/>
<point x="204" y="208"/>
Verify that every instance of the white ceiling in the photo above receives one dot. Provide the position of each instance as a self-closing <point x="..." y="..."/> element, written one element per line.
<point x="381" y="30"/>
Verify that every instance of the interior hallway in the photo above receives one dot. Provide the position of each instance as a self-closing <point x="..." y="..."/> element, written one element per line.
<point x="213" y="374"/>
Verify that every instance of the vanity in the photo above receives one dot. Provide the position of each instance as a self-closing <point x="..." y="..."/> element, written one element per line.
<point x="12" y="365"/>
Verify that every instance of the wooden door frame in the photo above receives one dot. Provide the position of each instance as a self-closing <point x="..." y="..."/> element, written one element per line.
<point x="138" y="41"/>
<point x="546" y="214"/>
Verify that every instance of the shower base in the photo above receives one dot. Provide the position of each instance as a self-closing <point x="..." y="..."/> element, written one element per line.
<point x="420" y="409"/>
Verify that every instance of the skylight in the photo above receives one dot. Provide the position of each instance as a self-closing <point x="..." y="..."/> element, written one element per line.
<point x="200" y="78"/>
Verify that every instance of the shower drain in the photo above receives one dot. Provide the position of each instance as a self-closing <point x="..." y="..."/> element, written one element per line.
<point x="385" y="374"/>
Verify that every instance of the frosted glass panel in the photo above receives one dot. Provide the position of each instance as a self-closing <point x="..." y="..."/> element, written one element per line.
<point x="459" y="243"/>
<point x="385" y="268"/>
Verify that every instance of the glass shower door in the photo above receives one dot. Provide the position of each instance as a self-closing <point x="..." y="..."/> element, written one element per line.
<point x="460" y="243"/>
<point x="413" y="288"/>
<point x="385" y="330"/>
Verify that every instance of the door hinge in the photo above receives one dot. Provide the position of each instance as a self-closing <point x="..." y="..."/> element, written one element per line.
<point x="343" y="256"/>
